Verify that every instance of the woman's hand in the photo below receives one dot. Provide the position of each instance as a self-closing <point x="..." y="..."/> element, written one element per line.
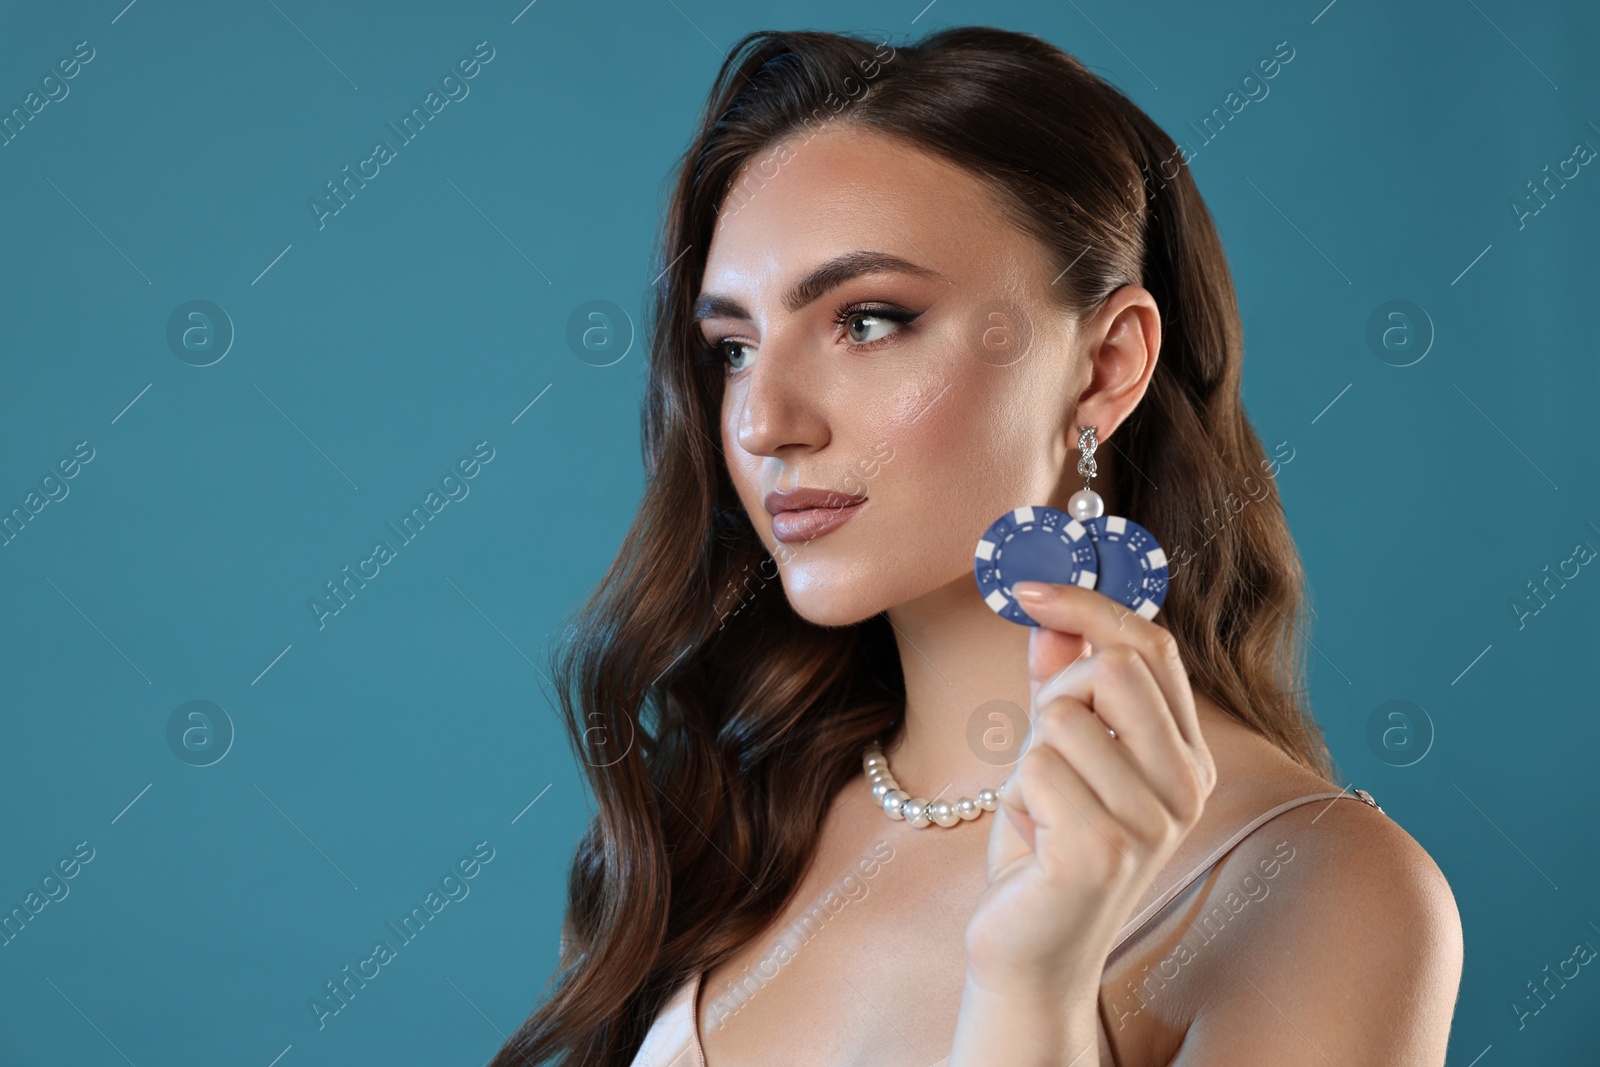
<point x="1086" y="818"/>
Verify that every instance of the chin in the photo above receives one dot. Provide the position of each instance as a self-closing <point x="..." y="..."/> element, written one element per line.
<point x="827" y="596"/>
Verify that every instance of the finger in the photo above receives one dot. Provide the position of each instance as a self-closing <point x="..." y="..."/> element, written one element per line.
<point x="1119" y="686"/>
<point x="1103" y="622"/>
<point x="1073" y="730"/>
<point x="1049" y="653"/>
<point x="1048" y="796"/>
<point x="1011" y="835"/>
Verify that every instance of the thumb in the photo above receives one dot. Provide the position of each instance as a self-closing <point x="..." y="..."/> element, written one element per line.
<point x="1011" y="835"/>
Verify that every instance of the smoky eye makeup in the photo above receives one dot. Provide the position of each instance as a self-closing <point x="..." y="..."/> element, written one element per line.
<point x="846" y="313"/>
<point x="713" y="352"/>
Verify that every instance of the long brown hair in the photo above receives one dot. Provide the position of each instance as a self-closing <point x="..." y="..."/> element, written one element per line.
<point x="714" y="724"/>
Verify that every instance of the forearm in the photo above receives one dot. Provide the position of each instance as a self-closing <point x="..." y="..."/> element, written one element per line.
<point x="1025" y="1027"/>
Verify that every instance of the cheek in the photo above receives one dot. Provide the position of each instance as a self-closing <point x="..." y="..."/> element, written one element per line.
<point x="978" y="452"/>
<point x="980" y="443"/>
<point x="741" y="468"/>
<point x="745" y="472"/>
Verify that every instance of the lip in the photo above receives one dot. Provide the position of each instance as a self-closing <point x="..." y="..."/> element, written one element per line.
<point x="780" y="500"/>
<point x="805" y="514"/>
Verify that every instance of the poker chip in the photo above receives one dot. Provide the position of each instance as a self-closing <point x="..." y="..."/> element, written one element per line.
<point x="1133" y="567"/>
<point x="1038" y="544"/>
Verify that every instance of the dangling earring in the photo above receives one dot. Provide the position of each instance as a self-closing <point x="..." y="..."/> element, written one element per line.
<point x="1081" y="546"/>
<point x="1133" y="566"/>
<point x="1086" y="503"/>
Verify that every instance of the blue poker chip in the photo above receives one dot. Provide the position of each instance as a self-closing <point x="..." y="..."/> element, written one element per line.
<point x="1037" y="544"/>
<point x="1133" y="567"/>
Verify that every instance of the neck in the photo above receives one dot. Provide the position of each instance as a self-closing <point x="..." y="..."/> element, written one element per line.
<point x="967" y="694"/>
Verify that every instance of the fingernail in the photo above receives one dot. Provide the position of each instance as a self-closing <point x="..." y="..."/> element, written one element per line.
<point x="1034" y="592"/>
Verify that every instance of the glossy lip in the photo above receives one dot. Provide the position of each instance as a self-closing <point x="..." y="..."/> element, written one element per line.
<point x="780" y="500"/>
<point x="805" y="514"/>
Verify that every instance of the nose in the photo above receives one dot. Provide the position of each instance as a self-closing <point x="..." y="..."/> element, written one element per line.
<point x="780" y="400"/>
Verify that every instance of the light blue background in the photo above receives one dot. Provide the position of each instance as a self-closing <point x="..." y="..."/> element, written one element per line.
<point x="372" y="754"/>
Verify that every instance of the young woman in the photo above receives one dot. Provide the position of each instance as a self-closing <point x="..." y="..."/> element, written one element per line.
<point x="895" y="285"/>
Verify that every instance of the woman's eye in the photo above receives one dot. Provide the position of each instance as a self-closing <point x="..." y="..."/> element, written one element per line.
<point x="861" y="325"/>
<point x="864" y="326"/>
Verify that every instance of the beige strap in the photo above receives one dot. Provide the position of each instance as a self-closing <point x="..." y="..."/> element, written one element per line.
<point x="1210" y="861"/>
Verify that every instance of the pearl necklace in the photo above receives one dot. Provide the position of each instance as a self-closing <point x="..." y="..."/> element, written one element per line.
<point x="898" y="804"/>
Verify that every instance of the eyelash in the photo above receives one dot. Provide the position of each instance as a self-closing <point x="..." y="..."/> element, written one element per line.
<point x="711" y="354"/>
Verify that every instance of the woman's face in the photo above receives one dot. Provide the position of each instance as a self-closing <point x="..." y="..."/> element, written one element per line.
<point x="886" y="335"/>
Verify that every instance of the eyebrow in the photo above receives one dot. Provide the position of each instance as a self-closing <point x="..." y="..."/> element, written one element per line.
<point x="833" y="273"/>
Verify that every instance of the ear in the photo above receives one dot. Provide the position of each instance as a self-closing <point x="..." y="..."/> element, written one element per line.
<point x="1121" y="342"/>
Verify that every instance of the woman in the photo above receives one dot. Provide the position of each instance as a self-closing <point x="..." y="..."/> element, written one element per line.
<point x="906" y="280"/>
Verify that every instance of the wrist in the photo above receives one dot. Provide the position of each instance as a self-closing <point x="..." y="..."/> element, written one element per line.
<point x="1060" y="977"/>
<point x="1026" y="1023"/>
<point x="1070" y="962"/>
<point x="1029" y="989"/>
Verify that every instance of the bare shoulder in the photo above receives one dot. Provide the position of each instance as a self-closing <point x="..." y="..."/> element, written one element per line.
<point x="1352" y="875"/>
<point x="1336" y="932"/>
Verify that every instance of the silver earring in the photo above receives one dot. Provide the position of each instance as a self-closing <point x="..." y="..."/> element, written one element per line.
<point x="1131" y="567"/>
<point x="1086" y="503"/>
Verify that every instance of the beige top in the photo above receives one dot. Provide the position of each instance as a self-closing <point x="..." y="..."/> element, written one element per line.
<point x="674" y="1037"/>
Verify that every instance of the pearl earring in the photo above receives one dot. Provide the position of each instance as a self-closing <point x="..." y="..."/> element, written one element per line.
<point x="1132" y="568"/>
<point x="1086" y="503"/>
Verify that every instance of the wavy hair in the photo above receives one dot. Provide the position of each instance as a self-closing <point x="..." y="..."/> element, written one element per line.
<point x="714" y="724"/>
